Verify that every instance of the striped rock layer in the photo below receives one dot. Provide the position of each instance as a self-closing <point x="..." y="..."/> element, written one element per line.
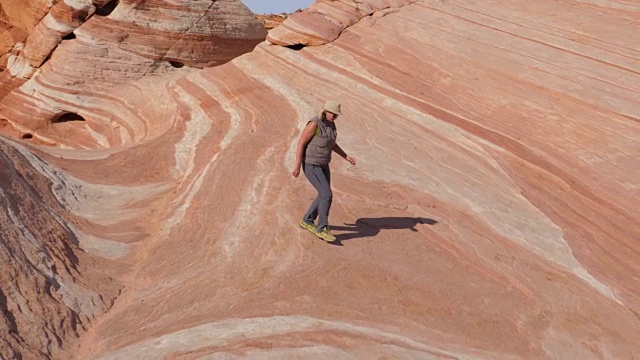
<point x="492" y="213"/>
<point x="325" y="20"/>
<point x="94" y="47"/>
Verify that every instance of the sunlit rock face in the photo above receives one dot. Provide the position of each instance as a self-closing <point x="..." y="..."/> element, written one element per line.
<point x="492" y="213"/>
<point x="80" y="51"/>
<point x="325" y="20"/>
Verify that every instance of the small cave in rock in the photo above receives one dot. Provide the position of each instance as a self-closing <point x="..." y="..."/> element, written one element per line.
<point x="107" y="8"/>
<point x="26" y="136"/>
<point x="67" y="118"/>
<point x="176" y="64"/>
<point x="296" y="47"/>
<point x="69" y="36"/>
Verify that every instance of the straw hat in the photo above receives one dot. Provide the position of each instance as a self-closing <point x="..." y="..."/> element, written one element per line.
<point x="332" y="107"/>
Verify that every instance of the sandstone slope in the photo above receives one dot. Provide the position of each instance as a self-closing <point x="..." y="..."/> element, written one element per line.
<point x="492" y="214"/>
<point x="81" y="50"/>
<point x="51" y="290"/>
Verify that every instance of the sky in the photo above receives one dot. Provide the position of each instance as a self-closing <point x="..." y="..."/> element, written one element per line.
<point x="276" y="6"/>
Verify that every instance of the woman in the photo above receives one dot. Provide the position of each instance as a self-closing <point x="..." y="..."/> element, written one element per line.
<point x="316" y="143"/>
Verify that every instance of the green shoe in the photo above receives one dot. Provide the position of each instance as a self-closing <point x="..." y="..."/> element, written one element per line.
<point x="311" y="227"/>
<point x="326" y="235"/>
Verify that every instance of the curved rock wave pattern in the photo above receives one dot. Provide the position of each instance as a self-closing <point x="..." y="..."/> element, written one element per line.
<point x="491" y="215"/>
<point x="96" y="48"/>
<point x="50" y="290"/>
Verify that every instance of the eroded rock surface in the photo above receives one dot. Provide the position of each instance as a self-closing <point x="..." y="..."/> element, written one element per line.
<point x="94" y="48"/>
<point x="492" y="214"/>
<point x="50" y="290"/>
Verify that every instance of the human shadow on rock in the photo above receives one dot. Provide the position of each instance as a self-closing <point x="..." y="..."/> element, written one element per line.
<point x="370" y="227"/>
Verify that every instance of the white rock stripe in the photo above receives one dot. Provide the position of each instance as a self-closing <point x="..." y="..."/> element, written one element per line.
<point x="227" y="331"/>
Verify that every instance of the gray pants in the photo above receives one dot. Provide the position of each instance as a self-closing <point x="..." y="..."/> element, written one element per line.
<point x="320" y="178"/>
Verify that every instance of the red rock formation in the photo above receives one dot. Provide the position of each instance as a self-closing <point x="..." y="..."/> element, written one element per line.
<point x="50" y="290"/>
<point x="492" y="213"/>
<point x="323" y="21"/>
<point x="111" y="43"/>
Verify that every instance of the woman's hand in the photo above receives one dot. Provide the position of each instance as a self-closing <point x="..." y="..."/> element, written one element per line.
<point x="351" y="160"/>
<point x="296" y="171"/>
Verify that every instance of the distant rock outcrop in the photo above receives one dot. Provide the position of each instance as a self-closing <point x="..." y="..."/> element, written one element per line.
<point x="492" y="213"/>
<point x="272" y="20"/>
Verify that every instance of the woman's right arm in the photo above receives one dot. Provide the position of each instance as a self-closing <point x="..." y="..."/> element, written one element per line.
<point x="306" y="136"/>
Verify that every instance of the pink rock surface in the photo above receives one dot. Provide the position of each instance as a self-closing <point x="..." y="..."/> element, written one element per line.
<point x="91" y="47"/>
<point x="323" y="21"/>
<point x="492" y="214"/>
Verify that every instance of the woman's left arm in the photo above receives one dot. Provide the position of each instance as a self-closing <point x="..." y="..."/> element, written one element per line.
<point x="338" y="150"/>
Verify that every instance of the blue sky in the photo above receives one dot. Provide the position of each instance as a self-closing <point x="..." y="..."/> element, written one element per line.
<point x="276" y="6"/>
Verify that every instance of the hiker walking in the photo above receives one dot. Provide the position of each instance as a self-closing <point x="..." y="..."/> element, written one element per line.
<point x="313" y="154"/>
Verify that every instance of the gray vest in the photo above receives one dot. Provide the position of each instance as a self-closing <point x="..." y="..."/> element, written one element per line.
<point x="318" y="150"/>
